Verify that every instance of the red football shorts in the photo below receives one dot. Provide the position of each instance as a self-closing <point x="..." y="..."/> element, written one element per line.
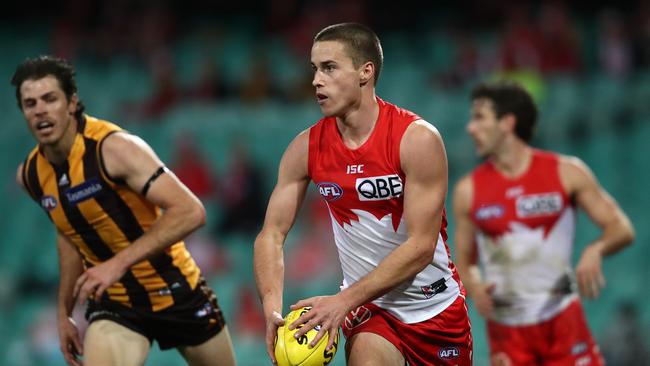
<point x="562" y="340"/>
<point x="444" y="339"/>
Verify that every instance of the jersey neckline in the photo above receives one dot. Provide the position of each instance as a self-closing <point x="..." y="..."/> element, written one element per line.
<point x="368" y="143"/>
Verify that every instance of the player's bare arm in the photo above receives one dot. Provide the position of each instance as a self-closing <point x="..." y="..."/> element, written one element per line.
<point x="281" y="212"/>
<point x="70" y="268"/>
<point x="617" y="230"/>
<point x="19" y="176"/>
<point x="130" y="159"/>
<point x="466" y="253"/>
<point x="424" y="163"/>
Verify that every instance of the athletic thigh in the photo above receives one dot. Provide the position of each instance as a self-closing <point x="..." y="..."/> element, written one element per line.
<point x="367" y="349"/>
<point x="216" y="351"/>
<point x="109" y="343"/>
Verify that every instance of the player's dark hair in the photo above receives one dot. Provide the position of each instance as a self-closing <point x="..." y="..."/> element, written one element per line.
<point x="42" y="66"/>
<point x="509" y="97"/>
<point x="361" y="43"/>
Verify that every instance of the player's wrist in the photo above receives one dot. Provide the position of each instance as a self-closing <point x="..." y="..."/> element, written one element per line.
<point x="597" y="247"/>
<point x="348" y="299"/>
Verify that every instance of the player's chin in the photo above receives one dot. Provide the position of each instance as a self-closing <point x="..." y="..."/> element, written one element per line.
<point x="327" y="112"/>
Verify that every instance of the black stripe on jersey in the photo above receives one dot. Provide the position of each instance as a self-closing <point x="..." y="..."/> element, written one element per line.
<point x="123" y="216"/>
<point x="101" y="161"/>
<point x="30" y="177"/>
<point x="81" y="125"/>
<point x="137" y="293"/>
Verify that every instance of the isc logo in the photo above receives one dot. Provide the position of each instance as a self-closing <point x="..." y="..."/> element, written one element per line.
<point x="379" y="188"/>
<point x="330" y="191"/>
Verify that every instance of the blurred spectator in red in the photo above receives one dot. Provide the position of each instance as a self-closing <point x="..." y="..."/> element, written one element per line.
<point x="315" y="253"/>
<point x="249" y="319"/>
<point x="68" y="29"/>
<point x="466" y="60"/>
<point x="521" y="43"/>
<point x="241" y="193"/>
<point x="209" y="86"/>
<point x="191" y="168"/>
<point x="614" y="48"/>
<point x="560" y="50"/>
<point x="642" y="35"/>
<point x="166" y="92"/>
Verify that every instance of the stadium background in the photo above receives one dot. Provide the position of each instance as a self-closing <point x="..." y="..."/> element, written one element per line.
<point x="219" y="90"/>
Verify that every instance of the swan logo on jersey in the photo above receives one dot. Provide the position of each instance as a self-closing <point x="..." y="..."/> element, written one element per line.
<point x="48" y="202"/>
<point x="330" y="191"/>
<point x="543" y="204"/>
<point x="379" y="188"/>
<point x="487" y="212"/>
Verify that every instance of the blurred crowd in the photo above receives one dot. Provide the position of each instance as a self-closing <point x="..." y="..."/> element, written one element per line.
<point x="488" y="36"/>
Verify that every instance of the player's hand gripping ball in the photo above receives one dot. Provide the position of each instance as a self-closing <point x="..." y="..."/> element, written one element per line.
<point x="290" y="351"/>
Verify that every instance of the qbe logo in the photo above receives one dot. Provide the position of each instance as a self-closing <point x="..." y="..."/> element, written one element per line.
<point x="330" y="191"/>
<point x="539" y="204"/>
<point x="379" y="188"/>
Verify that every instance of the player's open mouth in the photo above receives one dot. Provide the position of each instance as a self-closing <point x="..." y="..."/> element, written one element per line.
<point x="44" y="125"/>
<point x="321" y="98"/>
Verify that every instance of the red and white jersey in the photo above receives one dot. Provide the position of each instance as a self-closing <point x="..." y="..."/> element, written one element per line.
<point x="526" y="227"/>
<point x="363" y="189"/>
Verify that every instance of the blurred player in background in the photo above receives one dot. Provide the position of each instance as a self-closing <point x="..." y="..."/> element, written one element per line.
<point x="120" y="216"/>
<point x="515" y="214"/>
<point x="382" y="171"/>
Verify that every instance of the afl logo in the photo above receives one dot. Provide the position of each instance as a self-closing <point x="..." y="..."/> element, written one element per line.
<point x="48" y="203"/>
<point x="330" y="191"/>
<point x="448" y="352"/>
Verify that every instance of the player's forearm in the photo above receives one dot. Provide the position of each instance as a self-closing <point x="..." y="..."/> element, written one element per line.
<point x="268" y="266"/>
<point x="174" y="225"/>
<point x="616" y="235"/>
<point x="70" y="269"/>
<point x="470" y="275"/>
<point x="402" y="264"/>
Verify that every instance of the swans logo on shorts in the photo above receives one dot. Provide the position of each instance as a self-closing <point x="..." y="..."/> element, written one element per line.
<point x="48" y="202"/>
<point x="357" y="317"/>
<point x="330" y="191"/>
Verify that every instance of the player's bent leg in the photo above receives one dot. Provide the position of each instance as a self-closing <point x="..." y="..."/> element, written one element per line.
<point x="111" y="344"/>
<point x="216" y="351"/>
<point x="367" y="349"/>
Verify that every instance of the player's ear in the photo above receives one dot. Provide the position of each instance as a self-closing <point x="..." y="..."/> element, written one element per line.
<point x="72" y="104"/>
<point x="366" y="73"/>
<point x="508" y="122"/>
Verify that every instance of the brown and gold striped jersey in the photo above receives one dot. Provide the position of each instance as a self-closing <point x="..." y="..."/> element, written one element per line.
<point x="102" y="216"/>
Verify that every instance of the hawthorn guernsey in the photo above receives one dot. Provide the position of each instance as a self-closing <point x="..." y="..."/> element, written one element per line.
<point x="363" y="189"/>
